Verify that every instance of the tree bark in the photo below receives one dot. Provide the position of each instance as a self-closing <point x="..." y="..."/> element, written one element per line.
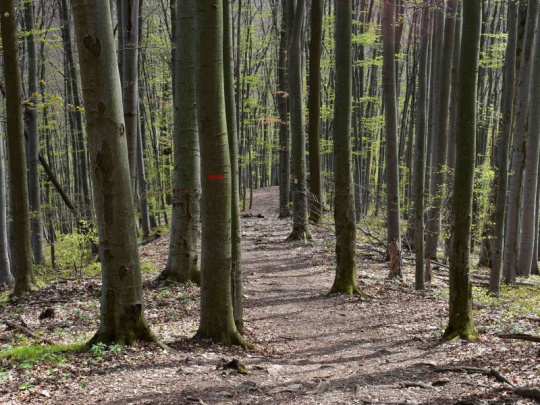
<point x="122" y="317"/>
<point x="217" y="320"/>
<point x="298" y="145"/>
<point x="460" y="322"/>
<point x="512" y="227"/>
<point x="183" y="262"/>
<point x="6" y="278"/>
<point x="344" y="210"/>
<point x="315" y="49"/>
<point x="392" y="160"/>
<point x="21" y="251"/>
<point x="530" y="178"/>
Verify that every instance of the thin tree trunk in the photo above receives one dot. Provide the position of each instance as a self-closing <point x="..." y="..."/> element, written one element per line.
<point x="299" y="187"/>
<point x="6" y="278"/>
<point x="420" y="151"/>
<point x="232" y="133"/>
<point x="511" y="243"/>
<point x="315" y="49"/>
<point x="530" y="179"/>
<point x="392" y="160"/>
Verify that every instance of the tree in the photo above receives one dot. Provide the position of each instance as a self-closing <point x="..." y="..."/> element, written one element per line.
<point x="122" y="308"/>
<point x="530" y="178"/>
<point x="440" y="137"/>
<point x="511" y="241"/>
<point x="460" y="323"/>
<point x="129" y="50"/>
<point x="344" y="210"/>
<point x="31" y="121"/>
<point x="21" y="251"/>
<point x="183" y="262"/>
<point x="315" y="48"/>
<point x="232" y="134"/>
<point x="217" y="320"/>
<point x="392" y="160"/>
<point x="507" y="113"/>
<point x="282" y="96"/>
<point x="6" y="278"/>
<point x="420" y="151"/>
<point x="298" y="145"/>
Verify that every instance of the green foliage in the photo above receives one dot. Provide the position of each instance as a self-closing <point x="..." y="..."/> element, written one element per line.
<point x="26" y="356"/>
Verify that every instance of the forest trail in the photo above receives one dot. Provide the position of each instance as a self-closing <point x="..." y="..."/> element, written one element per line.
<point x="311" y="348"/>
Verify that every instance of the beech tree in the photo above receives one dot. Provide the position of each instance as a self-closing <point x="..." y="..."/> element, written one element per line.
<point x="392" y="160"/>
<point x="298" y="145"/>
<point x="344" y="209"/>
<point x="460" y="323"/>
<point x="183" y="260"/>
<point x="6" y="278"/>
<point x="21" y="251"/>
<point x="216" y="317"/>
<point x="122" y="317"/>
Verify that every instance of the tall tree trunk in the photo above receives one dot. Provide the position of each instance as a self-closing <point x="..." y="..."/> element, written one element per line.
<point x="315" y="48"/>
<point x="344" y="211"/>
<point x="298" y="145"/>
<point x="283" y="96"/>
<point x="6" y="278"/>
<point x="440" y="137"/>
<point x="130" y="80"/>
<point x="392" y="160"/>
<point x="122" y="308"/>
<point x="420" y="151"/>
<point x="512" y="227"/>
<point x="20" y="249"/>
<point x="217" y="319"/>
<point x="530" y="179"/>
<point x="183" y="262"/>
<point x="31" y="121"/>
<point x="460" y="322"/>
<point x="232" y="134"/>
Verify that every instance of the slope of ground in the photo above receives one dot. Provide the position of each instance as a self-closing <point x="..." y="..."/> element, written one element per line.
<point x="311" y="348"/>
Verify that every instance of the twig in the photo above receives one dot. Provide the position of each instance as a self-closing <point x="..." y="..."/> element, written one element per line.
<point x="533" y="393"/>
<point x="28" y="332"/>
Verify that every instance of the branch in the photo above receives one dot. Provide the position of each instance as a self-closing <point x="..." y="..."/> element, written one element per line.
<point x="520" y="336"/>
<point x="28" y="332"/>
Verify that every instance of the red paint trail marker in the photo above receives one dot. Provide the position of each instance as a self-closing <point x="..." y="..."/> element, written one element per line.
<point x="186" y="190"/>
<point x="216" y="177"/>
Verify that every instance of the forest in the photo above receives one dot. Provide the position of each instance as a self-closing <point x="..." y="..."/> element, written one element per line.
<point x="269" y="201"/>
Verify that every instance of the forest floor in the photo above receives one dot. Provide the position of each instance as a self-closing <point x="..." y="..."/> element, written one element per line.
<point x="310" y="347"/>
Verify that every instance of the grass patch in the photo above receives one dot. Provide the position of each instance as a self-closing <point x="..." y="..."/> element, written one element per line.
<point x="27" y="355"/>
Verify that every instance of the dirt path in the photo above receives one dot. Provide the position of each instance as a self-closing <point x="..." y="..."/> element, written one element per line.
<point x="311" y="348"/>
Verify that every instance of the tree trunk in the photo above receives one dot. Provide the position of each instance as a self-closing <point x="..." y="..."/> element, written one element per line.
<point x="440" y="136"/>
<point x="420" y="151"/>
<point x="392" y="160"/>
<point x="283" y="96"/>
<point x="6" y="278"/>
<point x="298" y="145"/>
<point x="344" y="211"/>
<point x="315" y="175"/>
<point x="460" y="323"/>
<point x="232" y="133"/>
<point x="183" y="262"/>
<point x="20" y="249"/>
<point x="122" y="309"/>
<point x="511" y="233"/>
<point x="530" y="179"/>
<point x="31" y="121"/>
<point x="217" y="320"/>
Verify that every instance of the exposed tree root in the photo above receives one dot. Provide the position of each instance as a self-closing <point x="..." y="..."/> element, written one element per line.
<point x="533" y="393"/>
<point x="28" y="332"/>
<point x="475" y="370"/>
<point x="520" y="336"/>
